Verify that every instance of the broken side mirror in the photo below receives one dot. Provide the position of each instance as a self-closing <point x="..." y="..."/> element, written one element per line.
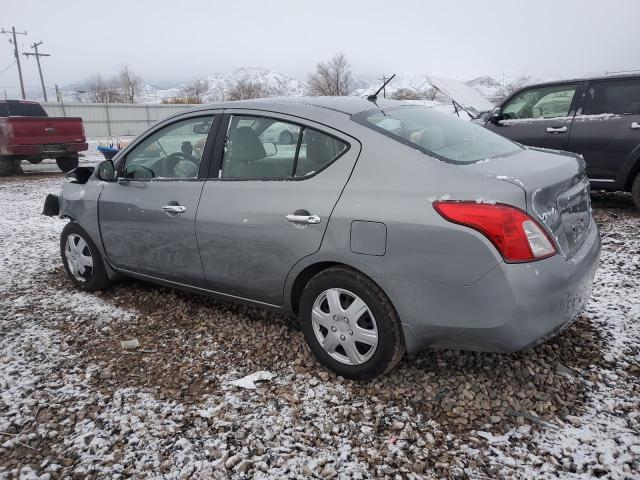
<point x="106" y="171"/>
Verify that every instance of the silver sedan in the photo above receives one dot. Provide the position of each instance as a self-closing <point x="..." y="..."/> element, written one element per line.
<point x="384" y="227"/>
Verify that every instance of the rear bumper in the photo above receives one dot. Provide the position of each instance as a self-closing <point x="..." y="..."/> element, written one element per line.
<point x="512" y="307"/>
<point x="46" y="151"/>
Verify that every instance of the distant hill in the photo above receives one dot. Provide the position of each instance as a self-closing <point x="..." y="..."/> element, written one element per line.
<point x="284" y="85"/>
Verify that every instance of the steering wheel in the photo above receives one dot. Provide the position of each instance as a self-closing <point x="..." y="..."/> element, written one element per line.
<point x="171" y="161"/>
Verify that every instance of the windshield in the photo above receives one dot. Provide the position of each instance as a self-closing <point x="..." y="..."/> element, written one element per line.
<point x="438" y="134"/>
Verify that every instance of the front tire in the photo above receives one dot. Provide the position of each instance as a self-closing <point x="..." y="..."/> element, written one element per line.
<point x="66" y="164"/>
<point x="635" y="191"/>
<point x="350" y="324"/>
<point x="82" y="260"/>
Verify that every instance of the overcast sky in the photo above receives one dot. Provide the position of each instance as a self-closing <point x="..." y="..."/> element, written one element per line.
<point x="168" y="41"/>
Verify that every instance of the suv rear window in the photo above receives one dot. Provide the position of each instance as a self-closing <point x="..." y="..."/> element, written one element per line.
<point x="438" y="134"/>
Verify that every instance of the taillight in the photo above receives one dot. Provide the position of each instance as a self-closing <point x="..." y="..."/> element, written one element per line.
<point x="517" y="236"/>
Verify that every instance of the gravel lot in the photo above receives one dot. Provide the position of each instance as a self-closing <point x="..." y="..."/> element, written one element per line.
<point x="73" y="403"/>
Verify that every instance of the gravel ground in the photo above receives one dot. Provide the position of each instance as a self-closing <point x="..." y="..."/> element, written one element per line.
<point x="74" y="404"/>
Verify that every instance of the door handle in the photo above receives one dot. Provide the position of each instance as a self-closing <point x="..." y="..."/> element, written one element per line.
<point x="303" y="219"/>
<point x="635" y="125"/>
<point x="556" y="129"/>
<point x="174" y="209"/>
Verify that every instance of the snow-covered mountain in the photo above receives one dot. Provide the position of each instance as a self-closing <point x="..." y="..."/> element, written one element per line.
<point x="283" y="85"/>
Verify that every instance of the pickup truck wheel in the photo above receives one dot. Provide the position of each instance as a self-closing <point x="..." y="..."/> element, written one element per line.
<point x="350" y="325"/>
<point x="82" y="260"/>
<point x="10" y="167"/>
<point x="635" y="191"/>
<point x="66" y="164"/>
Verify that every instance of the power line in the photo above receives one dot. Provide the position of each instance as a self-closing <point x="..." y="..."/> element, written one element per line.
<point x="16" y="53"/>
<point x="38" y="55"/>
<point x="7" y="67"/>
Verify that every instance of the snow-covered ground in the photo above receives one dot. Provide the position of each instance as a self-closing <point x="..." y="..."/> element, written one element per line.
<point x="74" y="403"/>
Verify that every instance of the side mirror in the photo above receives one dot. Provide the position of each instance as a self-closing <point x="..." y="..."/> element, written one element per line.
<point x="106" y="171"/>
<point x="202" y="128"/>
<point x="495" y="116"/>
<point x="270" y="149"/>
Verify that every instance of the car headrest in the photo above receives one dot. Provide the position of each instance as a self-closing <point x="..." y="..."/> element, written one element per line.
<point x="245" y="146"/>
<point x="319" y="147"/>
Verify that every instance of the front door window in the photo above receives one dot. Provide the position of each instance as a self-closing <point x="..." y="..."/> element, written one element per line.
<point x="542" y="103"/>
<point x="173" y="152"/>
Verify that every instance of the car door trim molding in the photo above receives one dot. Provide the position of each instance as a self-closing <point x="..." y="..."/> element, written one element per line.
<point x="186" y="286"/>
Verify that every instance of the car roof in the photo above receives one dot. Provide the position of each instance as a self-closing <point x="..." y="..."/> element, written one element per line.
<point x="338" y="105"/>
<point x="589" y="78"/>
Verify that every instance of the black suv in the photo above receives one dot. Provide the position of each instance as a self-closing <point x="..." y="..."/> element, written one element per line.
<point x="596" y="117"/>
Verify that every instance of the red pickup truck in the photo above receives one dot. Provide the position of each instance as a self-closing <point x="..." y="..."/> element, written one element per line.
<point x="27" y="133"/>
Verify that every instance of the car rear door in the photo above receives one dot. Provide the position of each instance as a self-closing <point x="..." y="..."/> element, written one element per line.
<point x="147" y="217"/>
<point x="606" y="129"/>
<point x="538" y="116"/>
<point x="263" y="211"/>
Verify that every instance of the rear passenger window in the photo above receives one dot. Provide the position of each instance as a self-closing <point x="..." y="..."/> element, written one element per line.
<point x="317" y="150"/>
<point x="265" y="148"/>
<point x="617" y="97"/>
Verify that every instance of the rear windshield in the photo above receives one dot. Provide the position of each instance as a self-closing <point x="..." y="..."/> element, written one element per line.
<point x="13" y="108"/>
<point x="438" y="134"/>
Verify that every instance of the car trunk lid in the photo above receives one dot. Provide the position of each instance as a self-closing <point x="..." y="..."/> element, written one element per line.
<point x="556" y="189"/>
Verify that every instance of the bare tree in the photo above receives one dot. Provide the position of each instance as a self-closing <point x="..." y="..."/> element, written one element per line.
<point x="406" y="94"/>
<point x="431" y="94"/>
<point x="245" y="89"/>
<point x="97" y="89"/>
<point x="130" y="84"/>
<point x="331" y="78"/>
<point x="195" y="91"/>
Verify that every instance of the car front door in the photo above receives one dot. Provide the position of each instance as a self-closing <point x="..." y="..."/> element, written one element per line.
<point x="147" y="216"/>
<point x="538" y="116"/>
<point x="606" y="129"/>
<point x="268" y="205"/>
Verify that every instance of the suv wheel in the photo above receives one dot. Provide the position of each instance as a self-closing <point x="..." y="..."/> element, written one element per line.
<point x="350" y="324"/>
<point x="66" y="164"/>
<point x="82" y="260"/>
<point x="10" y="167"/>
<point x="635" y="191"/>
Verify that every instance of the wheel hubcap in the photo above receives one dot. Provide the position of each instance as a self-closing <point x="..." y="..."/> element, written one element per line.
<point x="78" y="257"/>
<point x="344" y="326"/>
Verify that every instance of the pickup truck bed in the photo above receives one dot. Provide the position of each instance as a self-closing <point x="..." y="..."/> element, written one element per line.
<point x="27" y="133"/>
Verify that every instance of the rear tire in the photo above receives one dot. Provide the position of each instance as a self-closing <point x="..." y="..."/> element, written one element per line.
<point x="66" y="164"/>
<point x="378" y="319"/>
<point x="9" y="166"/>
<point x="82" y="260"/>
<point x="635" y="191"/>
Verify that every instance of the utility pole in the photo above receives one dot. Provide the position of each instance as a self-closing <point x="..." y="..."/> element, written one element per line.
<point x="16" y="54"/>
<point x="38" y="55"/>
<point x="384" y="88"/>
